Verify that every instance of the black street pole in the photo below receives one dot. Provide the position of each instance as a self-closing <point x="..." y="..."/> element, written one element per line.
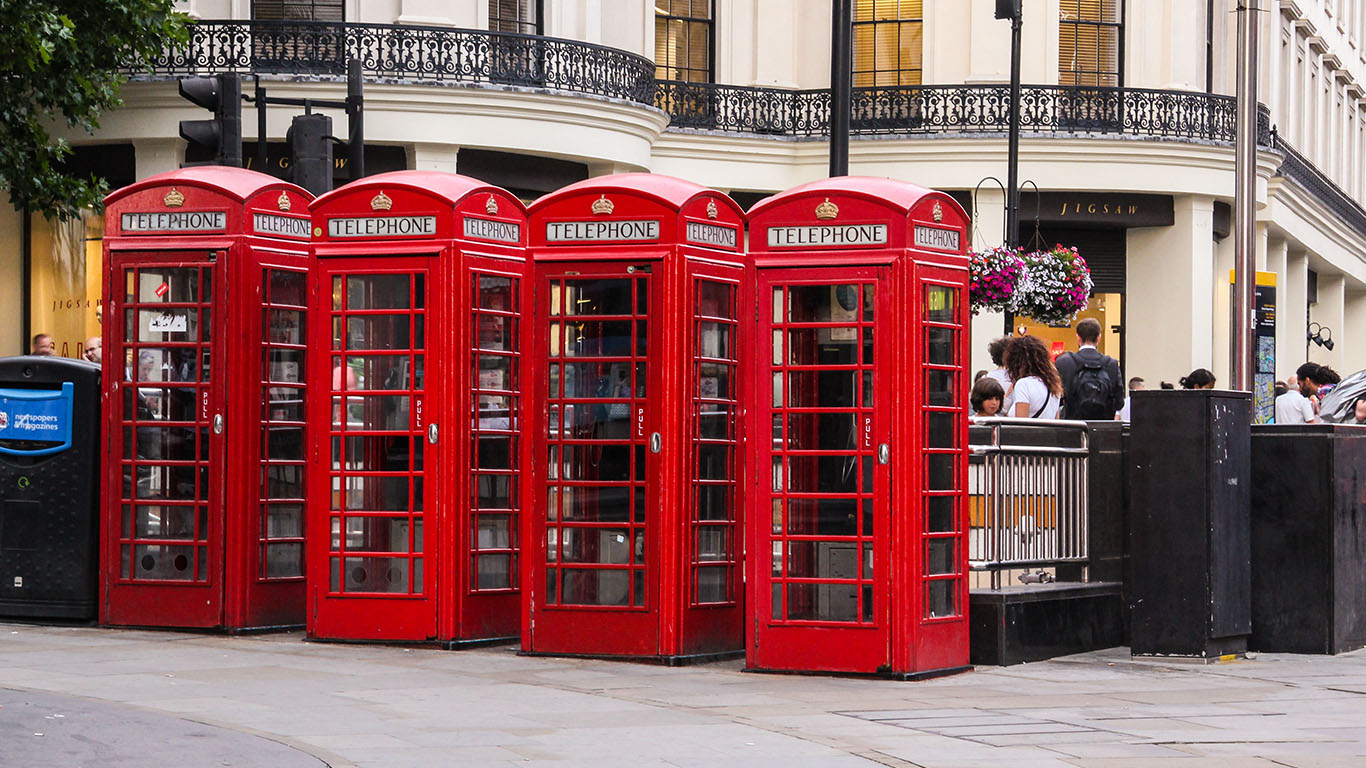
<point x="261" y="158"/>
<point x="355" y="124"/>
<point x="1013" y="151"/>
<point x="841" y="84"/>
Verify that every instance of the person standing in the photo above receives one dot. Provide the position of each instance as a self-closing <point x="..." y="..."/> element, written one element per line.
<point x="1091" y="384"/>
<point x="1135" y="384"/>
<point x="1200" y="378"/>
<point x="1037" y="390"/>
<point x="1294" y="406"/>
<point x="43" y="345"/>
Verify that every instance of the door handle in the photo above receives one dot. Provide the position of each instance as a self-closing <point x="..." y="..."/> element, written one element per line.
<point x="884" y="453"/>
<point x="656" y="442"/>
<point x="218" y="423"/>
<point x="432" y="433"/>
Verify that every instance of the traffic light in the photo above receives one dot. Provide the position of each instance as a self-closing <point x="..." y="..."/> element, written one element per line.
<point x="310" y="152"/>
<point x="217" y="141"/>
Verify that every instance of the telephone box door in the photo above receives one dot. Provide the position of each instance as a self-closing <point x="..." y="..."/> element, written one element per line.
<point x="165" y="567"/>
<point x="378" y="475"/>
<point x="599" y="547"/>
<point x="820" y="529"/>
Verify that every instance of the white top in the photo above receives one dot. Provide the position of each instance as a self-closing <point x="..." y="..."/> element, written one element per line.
<point x="1294" y="408"/>
<point x="1000" y="375"/>
<point x="1124" y="411"/>
<point x="1033" y="391"/>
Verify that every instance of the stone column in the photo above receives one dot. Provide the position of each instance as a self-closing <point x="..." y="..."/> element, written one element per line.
<point x="1292" y="305"/>
<point x="1169" y="294"/>
<point x="153" y="156"/>
<point x="1221" y="329"/>
<point x="433" y="157"/>
<point x="1330" y="313"/>
<point x="1354" y="331"/>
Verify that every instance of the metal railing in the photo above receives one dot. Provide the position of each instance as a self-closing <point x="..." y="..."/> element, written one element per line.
<point x="926" y="109"/>
<point x="408" y="53"/>
<point x="1027" y="494"/>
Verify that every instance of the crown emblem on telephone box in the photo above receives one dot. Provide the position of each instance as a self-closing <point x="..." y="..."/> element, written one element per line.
<point x="381" y="202"/>
<point x="937" y="212"/>
<point x="603" y="206"/>
<point x="491" y="207"/>
<point x="711" y="209"/>
<point x="283" y="201"/>
<point x="827" y="210"/>
<point x="173" y="199"/>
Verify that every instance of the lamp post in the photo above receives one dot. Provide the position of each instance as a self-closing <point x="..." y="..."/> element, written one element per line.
<point x="1010" y="9"/>
<point x="841" y="84"/>
<point x="1241" y="359"/>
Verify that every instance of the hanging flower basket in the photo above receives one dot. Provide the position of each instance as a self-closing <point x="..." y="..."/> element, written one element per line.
<point x="993" y="278"/>
<point x="1055" y="286"/>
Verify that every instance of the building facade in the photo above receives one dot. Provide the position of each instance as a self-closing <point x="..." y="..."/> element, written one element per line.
<point x="1127" y="143"/>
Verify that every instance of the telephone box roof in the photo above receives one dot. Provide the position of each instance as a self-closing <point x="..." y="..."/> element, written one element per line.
<point x="672" y="192"/>
<point x="900" y="194"/>
<point x="237" y="182"/>
<point x="450" y="186"/>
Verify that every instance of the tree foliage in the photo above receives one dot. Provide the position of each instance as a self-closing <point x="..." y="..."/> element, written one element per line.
<point x="63" y="65"/>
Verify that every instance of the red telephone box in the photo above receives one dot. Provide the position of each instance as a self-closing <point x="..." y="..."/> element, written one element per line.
<point x="416" y="490"/>
<point x="857" y="562"/>
<point x="205" y="286"/>
<point x="634" y="545"/>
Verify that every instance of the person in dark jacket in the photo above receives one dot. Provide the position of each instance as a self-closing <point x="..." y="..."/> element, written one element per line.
<point x="1092" y="387"/>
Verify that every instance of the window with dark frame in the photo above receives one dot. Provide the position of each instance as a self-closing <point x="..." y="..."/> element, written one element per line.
<point x="520" y="16"/>
<point x="683" y="41"/>
<point x="888" y="42"/>
<point x="1090" y="42"/>
<point x="298" y="10"/>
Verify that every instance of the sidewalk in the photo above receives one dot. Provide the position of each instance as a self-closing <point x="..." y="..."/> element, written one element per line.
<point x="85" y="697"/>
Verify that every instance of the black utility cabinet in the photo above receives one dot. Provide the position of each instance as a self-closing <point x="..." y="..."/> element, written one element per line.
<point x="1190" y="530"/>
<point x="49" y="487"/>
<point x="1308" y="538"/>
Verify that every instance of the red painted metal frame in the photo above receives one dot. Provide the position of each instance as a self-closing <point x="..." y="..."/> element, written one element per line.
<point x="451" y="608"/>
<point x="671" y="625"/>
<point x="235" y="591"/>
<point x="916" y="644"/>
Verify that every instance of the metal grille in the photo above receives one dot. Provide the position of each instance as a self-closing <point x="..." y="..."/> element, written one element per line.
<point x="1027" y="493"/>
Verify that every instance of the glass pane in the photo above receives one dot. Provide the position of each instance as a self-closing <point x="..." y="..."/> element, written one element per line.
<point x="941" y="304"/>
<point x="714" y="299"/>
<point x="284" y="560"/>
<point x="821" y="431"/>
<point x="598" y="297"/>
<point x="378" y="332"/>
<point x="497" y="293"/>
<point x="288" y="287"/>
<point x="164" y="561"/>
<point x="822" y="346"/>
<point x="940" y="386"/>
<point x="164" y="522"/>
<point x="375" y="574"/>
<point x="285" y="326"/>
<point x="713" y="585"/>
<point x="285" y="365"/>
<point x="822" y="602"/>
<point x="596" y="587"/>
<point x="714" y="340"/>
<point x="611" y="504"/>
<point x="939" y="472"/>
<point x="939" y="556"/>
<point x="284" y="521"/>
<point x="377" y="534"/>
<point x="941" y="598"/>
<point x="493" y="532"/>
<point x="378" y="292"/>
<point x="376" y="492"/>
<point x="168" y="284"/>
<point x="939" y="514"/>
<point x="823" y="303"/>
<point x="377" y="453"/>
<point x="941" y="429"/>
<point x="940" y="344"/>
<point x="495" y="571"/>
<point x="822" y="517"/>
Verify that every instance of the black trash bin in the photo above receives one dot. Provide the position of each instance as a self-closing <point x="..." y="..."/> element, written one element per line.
<point x="1190" y="468"/>
<point x="49" y="487"/>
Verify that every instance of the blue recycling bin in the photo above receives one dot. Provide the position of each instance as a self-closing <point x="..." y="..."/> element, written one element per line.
<point x="49" y="488"/>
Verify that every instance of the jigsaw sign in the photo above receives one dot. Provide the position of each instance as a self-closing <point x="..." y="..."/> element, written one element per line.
<point x="41" y="416"/>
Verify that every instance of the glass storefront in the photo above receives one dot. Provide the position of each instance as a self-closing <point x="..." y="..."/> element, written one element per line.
<point x="65" y="265"/>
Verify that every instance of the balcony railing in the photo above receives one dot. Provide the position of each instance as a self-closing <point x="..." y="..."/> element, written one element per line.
<point x="955" y="109"/>
<point x="398" y="52"/>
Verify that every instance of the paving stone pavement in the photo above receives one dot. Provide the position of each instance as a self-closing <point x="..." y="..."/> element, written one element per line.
<point x="84" y="696"/>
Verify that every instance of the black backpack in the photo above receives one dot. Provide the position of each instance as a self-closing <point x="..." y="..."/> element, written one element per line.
<point x="1088" y="397"/>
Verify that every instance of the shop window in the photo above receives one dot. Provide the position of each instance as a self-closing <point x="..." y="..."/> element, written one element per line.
<point x="1090" y="42"/>
<point x="888" y="43"/>
<point x="683" y="41"/>
<point x="65" y="262"/>
<point x="298" y="10"/>
<point x="519" y="16"/>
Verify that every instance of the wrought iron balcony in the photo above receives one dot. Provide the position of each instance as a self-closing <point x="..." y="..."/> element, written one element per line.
<point x="955" y="109"/>
<point x="409" y="53"/>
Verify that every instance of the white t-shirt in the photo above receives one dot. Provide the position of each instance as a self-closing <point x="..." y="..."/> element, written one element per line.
<point x="1000" y="375"/>
<point x="1124" y="411"/>
<point x="1033" y="391"/>
<point x="1294" y="408"/>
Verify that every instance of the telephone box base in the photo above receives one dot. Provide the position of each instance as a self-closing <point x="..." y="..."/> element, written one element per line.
<point x="667" y="661"/>
<point x="928" y="674"/>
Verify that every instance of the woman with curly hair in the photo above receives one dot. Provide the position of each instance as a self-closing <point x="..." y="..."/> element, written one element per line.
<point x="1037" y="388"/>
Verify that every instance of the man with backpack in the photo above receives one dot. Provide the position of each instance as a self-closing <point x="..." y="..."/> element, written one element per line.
<point x="1092" y="388"/>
